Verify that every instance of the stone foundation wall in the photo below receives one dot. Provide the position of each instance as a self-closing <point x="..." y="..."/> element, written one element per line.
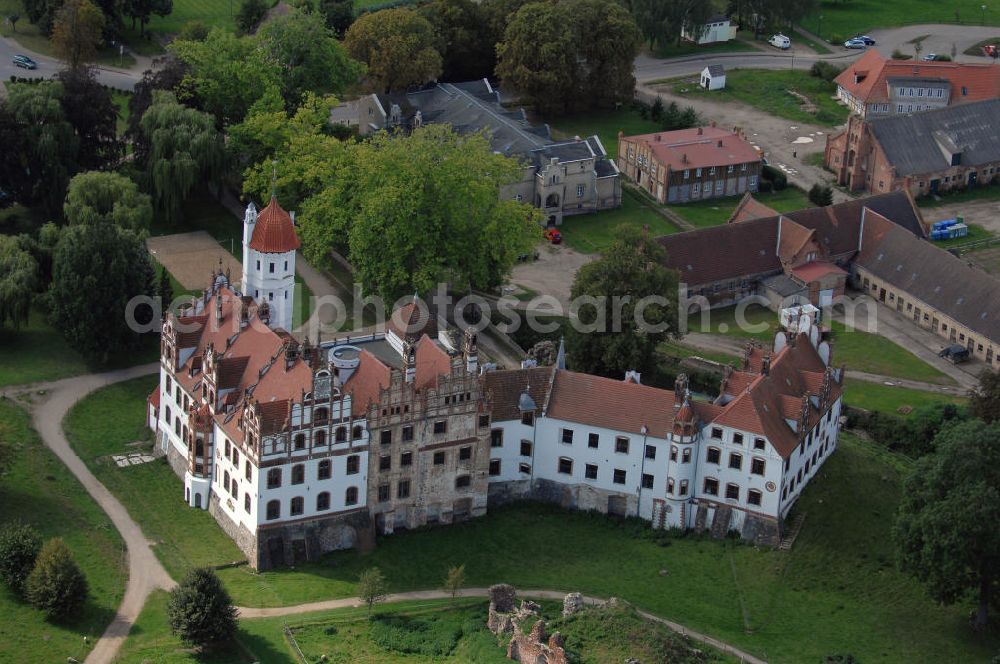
<point x="570" y="496"/>
<point x="245" y="540"/>
<point x="308" y="540"/>
<point x="178" y="462"/>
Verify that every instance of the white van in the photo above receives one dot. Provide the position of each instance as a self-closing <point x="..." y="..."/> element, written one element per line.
<point x="780" y="41"/>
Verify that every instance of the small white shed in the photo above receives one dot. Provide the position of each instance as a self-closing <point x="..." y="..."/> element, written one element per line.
<point x="713" y="77"/>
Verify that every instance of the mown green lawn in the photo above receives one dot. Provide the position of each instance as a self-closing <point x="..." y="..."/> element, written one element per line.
<point x="717" y="211"/>
<point x="843" y="20"/>
<point x="990" y="192"/>
<point x="38" y="489"/>
<point x="768" y="90"/>
<point x="36" y="352"/>
<point x="103" y="424"/>
<point x="889" y="399"/>
<point x="591" y="233"/>
<point x="606" y="124"/>
<point x="755" y="322"/>
<point x="743" y="42"/>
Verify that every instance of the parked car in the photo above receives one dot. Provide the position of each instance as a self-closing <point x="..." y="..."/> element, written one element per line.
<point x="855" y="43"/>
<point x="553" y="235"/>
<point x="24" y="62"/>
<point x="930" y="57"/>
<point x="780" y="41"/>
<point x="866" y="39"/>
<point x="955" y="353"/>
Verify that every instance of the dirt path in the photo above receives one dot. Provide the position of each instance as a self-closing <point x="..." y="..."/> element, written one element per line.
<point x="348" y="602"/>
<point x="553" y="272"/>
<point x="145" y="573"/>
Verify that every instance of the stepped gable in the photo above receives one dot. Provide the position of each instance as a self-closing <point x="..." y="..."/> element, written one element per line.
<point x="274" y="232"/>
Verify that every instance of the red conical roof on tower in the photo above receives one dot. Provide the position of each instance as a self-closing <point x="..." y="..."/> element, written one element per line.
<point x="274" y="232"/>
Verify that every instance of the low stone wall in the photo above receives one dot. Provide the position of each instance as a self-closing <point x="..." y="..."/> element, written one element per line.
<point x="570" y="496"/>
<point x="303" y="541"/>
<point x="178" y="462"/>
<point x="245" y="540"/>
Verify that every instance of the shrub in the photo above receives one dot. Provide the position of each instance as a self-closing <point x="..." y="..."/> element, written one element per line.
<point x="821" y="195"/>
<point x="824" y="70"/>
<point x="899" y="55"/>
<point x="403" y="634"/>
<point x="250" y="14"/>
<point x="200" y="611"/>
<point x="56" y="585"/>
<point x="778" y="179"/>
<point x="19" y="547"/>
<point x="193" y="31"/>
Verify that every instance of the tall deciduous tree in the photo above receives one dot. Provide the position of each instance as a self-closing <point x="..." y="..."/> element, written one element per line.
<point x="984" y="400"/>
<point x="170" y="73"/>
<point x="338" y="14"/>
<point x="372" y="588"/>
<point x="96" y="197"/>
<point x="464" y="38"/>
<point x="18" y="282"/>
<point x="42" y="13"/>
<point x="40" y="155"/>
<point x="200" y="611"/>
<point x="308" y="56"/>
<point x="97" y="270"/>
<point x="88" y="106"/>
<point x="398" y="46"/>
<point x="184" y="150"/>
<point x="946" y="530"/>
<point x="631" y="306"/>
<point x="56" y="585"/>
<point x="414" y="211"/>
<point x="250" y="14"/>
<point x="77" y="32"/>
<point x="571" y="55"/>
<point x="662" y="21"/>
<point x="144" y="10"/>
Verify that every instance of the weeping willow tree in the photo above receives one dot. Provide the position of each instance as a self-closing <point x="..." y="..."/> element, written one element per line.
<point x="18" y="281"/>
<point x="184" y="148"/>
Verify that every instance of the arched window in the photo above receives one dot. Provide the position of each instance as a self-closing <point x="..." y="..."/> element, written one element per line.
<point x="320" y="438"/>
<point x="300" y="441"/>
<point x="273" y="509"/>
<point x="321" y="414"/>
<point x="357" y="433"/>
<point x="323" y="470"/>
<point x="177" y="426"/>
<point x="166" y="414"/>
<point x="341" y="434"/>
<point x="298" y="474"/>
<point x="246" y="503"/>
<point x="225" y="480"/>
<point x="298" y="505"/>
<point x="235" y="488"/>
<point x="322" y="501"/>
<point x="351" y="496"/>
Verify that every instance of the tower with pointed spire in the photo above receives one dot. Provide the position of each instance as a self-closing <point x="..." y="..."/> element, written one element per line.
<point x="269" y="244"/>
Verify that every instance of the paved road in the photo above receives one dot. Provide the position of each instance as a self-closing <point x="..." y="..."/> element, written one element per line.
<point x="348" y="602"/>
<point x="145" y="573"/>
<point x="116" y="78"/>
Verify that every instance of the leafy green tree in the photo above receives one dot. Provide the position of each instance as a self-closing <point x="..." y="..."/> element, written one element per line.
<point x="408" y="210"/>
<point x="464" y="39"/>
<point x="250" y="14"/>
<point x="18" y="282"/>
<point x="821" y="195"/>
<point x="200" y="611"/>
<point x="571" y="55"/>
<point x="97" y="270"/>
<point x="308" y="55"/>
<point x="77" y="32"/>
<point x="661" y="21"/>
<point x="90" y="109"/>
<point x="40" y="155"/>
<point x="184" y="150"/>
<point x="169" y="76"/>
<point x="19" y="547"/>
<point x="100" y="196"/>
<point x="629" y="274"/>
<point x="56" y="585"/>
<point x="225" y="74"/>
<point x="193" y="31"/>
<point x="945" y="531"/>
<point x="372" y="588"/>
<point x="454" y="580"/>
<point x="13" y="18"/>
<point x="984" y="400"/>
<point x="398" y="47"/>
<point x="165" y="289"/>
<point x="338" y="14"/>
<point x="144" y="10"/>
<point x="41" y="247"/>
<point x="42" y="13"/>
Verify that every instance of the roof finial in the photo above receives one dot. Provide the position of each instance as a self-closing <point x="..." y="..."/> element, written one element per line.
<point x="274" y="178"/>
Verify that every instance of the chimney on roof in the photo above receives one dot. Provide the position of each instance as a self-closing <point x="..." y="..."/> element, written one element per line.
<point x="656" y="137"/>
<point x="680" y="389"/>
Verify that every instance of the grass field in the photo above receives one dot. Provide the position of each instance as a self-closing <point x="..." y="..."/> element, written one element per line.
<point x="976" y="234"/>
<point x="989" y="192"/>
<point x="591" y="233"/>
<point x="716" y="211"/>
<point x="744" y="42"/>
<point x="842" y="20"/>
<point x="102" y="424"/>
<point x="768" y="91"/>
<point x="38" y="489"/>
<point x="606" y="124"/>
<point x="876" y="396"/>
<point x="35" y="353"/>
<point x="680" y="350"/>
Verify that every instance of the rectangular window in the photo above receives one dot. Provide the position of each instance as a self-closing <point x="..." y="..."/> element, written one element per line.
<point x="385" y="462"/>
<point x="528" y="419"/>
<point x="465" y="453"/>
<point x="735" y="461"/>
<point x="621" y="445"/>
<point x="439" y="458"/>
<point x="385" y="436"/>
<point x="593" y="440"/>
<point x="462" y="481"/>
<point x="757" y="466"/>
<point x="403" y="489"/>
<point x="716" y="433"/>
<point x="579" y="191"/>
<point x="759" y="444"/>
<point x="441" y="426"/>
<point x="686" y="456"/>
<point x="406" y="459"/>
<point x="407" y="433"/>
<point x="687" y="174"/>
<point x="274" y="478"/>
<point x="711" y="486"/>
<point x="670" y="486"/>
<point x="496" y="438"/>
<point x="650" y="452"/>
<point x="619" y="476"/>
<point x="270" y="268"/>
<point x="754" y="497"/>
<point x="673" y="453"/>
<point x="353" y="463"/>
<point x="494" y="467"/>
<point x="383" y="492"/>
<point x="647" y="481"/>
<point x="484" y="421"/>
<point x="526" y="448"/>
<point x="732" y="492"/>
<point x="684" y="488"/>
<point x="713" y="455"/>
<point x="565" y="466"/>
<point x="590" y="471"/>
<point x="524" y="468"/>
<point x="738" y="437"/>
<point x="567" y="436"/>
